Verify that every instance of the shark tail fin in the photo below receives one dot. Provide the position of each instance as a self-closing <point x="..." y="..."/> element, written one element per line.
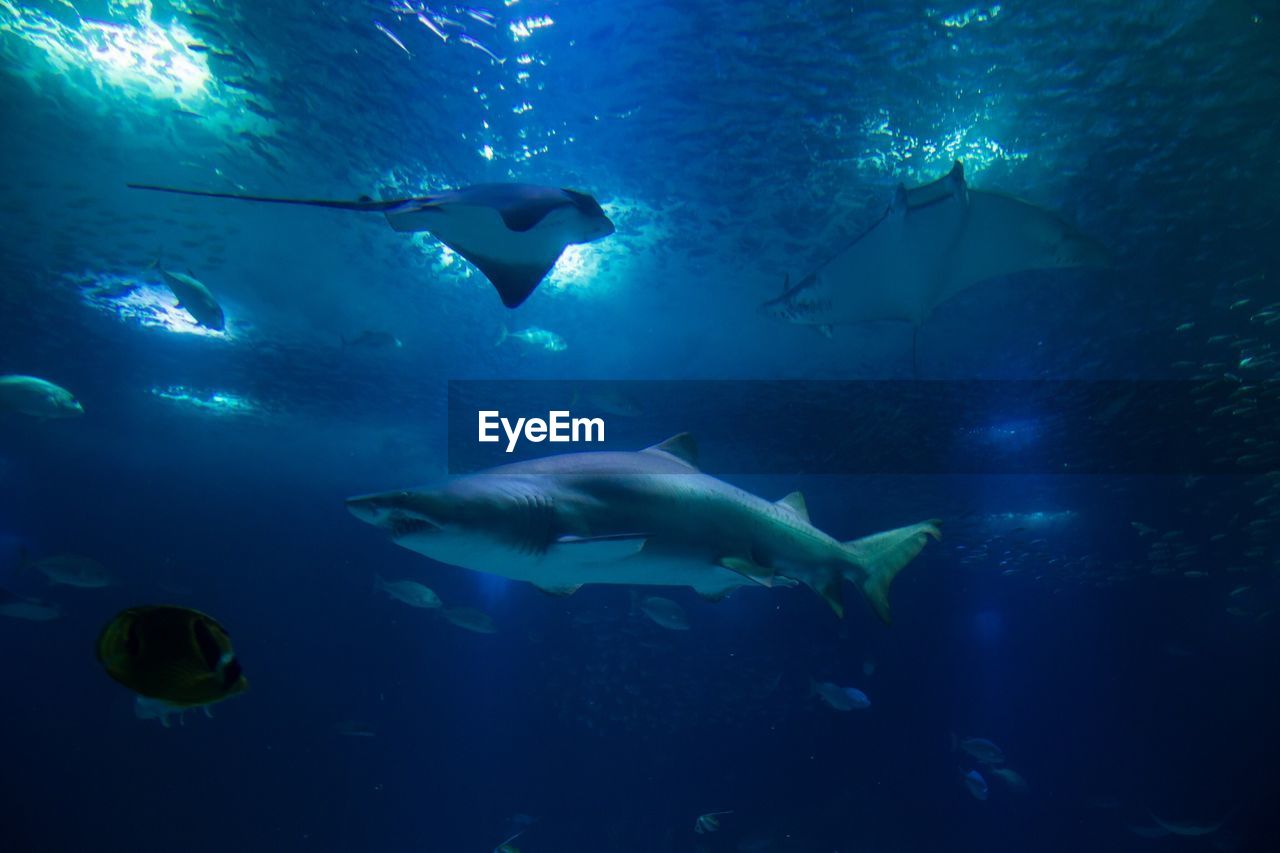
<point x="879" y="557"/>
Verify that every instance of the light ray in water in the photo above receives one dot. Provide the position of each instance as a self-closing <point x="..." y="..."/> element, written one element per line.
<point x="208" y="402"/>
<point x="128" y="50"/>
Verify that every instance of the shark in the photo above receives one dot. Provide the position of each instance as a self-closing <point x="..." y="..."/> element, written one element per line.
<point x="644" y="518"/>
<point x="512" y="233"/>
<point x="932" y="243"/>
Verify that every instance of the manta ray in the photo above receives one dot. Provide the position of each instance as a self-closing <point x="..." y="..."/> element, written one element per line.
<point x="512" y="233"/>
<point x="933" y="242"/>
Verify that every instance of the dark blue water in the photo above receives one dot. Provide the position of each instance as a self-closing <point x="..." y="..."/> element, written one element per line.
<point x="1093" y="625"/>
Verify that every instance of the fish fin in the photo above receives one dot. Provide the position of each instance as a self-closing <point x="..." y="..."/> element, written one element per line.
<point x="681" y="447"/>
<point x="833" y="593"/>
<point x="825" y="330"/>
<point x="749" y="569"/>
<point x="558" y="590"/>
<point x="208" y="712"/>
<point x="901" y="202"/>
<point x="363" y="204"/>
<point x="880" y="556"/>
<point x="955" y="178"/>
<point x="514" y="282"/>
<point x="164" y="719"/>
<point x="795" y="503"/>
<point x="600" y="549"/>
<point x="503" y="334"/>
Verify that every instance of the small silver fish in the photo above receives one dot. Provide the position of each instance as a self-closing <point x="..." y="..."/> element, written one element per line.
<point x="981" y="749"/>
<point x="662" y="612"/>
<point x="534" y="336"/>
<point x="411" y="593"/>
<point x="470" y="619"/>
<point x="386" y="32"/>
<point x="72" y="570"/>
<point x="469" y="41"/>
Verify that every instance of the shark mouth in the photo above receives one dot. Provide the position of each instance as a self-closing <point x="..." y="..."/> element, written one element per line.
<point x="404" y="525"/>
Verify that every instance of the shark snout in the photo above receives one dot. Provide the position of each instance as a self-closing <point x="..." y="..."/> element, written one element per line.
<point x="393" y="512"/>
<point x="367" y="508"/>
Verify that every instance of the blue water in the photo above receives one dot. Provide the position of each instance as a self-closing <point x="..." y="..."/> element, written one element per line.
<point x="1092" y="625"/>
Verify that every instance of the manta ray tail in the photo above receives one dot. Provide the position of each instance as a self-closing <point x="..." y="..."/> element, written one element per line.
<point x="879" y="557"/>
<point x="366" y="205"/>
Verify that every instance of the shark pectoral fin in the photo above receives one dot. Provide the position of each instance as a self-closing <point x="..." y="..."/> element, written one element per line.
<point x="558" y="590"/>
<point x="955" y="178"/>
<point x="901" y="203"/>
<point x="795" y="503"/>
<point x="598" y="549"/>
<point x="680" y="447"/>
<point x="749" y="569"/>
<point x="880" y="557"/>
<point x="832" y="592"/>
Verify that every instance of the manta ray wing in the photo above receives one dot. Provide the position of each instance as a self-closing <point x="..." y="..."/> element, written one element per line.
<point x="933" y="242"/>
<point x="501" y="229"/>
<point x="513" y="279"/>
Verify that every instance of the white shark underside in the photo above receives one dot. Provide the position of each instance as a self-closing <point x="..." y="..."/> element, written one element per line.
<point x="647" y="519"/>
<point x="933" y="242"/>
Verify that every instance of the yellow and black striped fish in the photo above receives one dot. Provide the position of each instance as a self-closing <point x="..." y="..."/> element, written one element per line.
<point x="172" y="653"/>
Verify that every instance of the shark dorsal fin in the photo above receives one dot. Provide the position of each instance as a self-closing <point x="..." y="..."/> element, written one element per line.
<point x="681" y="447"/>
<point x="795" y="503"/>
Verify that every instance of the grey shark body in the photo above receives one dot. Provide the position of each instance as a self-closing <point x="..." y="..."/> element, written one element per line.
<point x="933" y="242"/>
<point x="649" y="518"/>
<point x="512" y="233"/>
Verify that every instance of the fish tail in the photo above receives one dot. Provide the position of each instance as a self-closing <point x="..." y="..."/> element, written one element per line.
<point x="503" y="334"/>
<point x="363" y="204"/>
<point x="878" y="558"/>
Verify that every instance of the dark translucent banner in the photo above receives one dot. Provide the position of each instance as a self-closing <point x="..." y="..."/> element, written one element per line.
<point x="881" y="427"/>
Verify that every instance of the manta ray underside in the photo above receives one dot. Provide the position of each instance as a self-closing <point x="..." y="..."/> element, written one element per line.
<point x="512" y="233"/>
<point x="933" y="242"/>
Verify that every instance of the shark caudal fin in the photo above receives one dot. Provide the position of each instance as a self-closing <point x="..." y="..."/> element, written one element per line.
<point x="880" y="556"/>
